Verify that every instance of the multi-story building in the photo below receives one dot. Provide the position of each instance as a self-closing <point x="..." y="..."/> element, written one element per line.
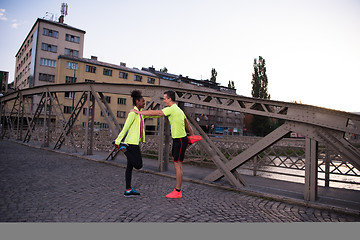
<point x="52" y="53"/>
<point x="36" y="59"/>
<point x="74" y="69"/>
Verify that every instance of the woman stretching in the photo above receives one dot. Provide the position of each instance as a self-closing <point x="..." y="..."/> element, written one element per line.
<point x="134" y="127"/>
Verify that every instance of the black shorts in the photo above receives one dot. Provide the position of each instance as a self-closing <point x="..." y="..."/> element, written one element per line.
<point x="178" y="148"/>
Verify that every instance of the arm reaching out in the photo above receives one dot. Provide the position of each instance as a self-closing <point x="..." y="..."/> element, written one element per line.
<point x="149" y="112"/>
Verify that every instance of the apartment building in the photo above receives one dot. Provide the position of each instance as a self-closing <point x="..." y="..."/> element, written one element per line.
<point x="73" y="69"/>
<point x="36" y="60"/>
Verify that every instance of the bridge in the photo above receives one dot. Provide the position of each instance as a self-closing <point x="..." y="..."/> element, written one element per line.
<point x="320" y="126"/>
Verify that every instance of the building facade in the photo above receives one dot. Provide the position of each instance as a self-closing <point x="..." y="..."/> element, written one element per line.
<point x="74" y="70"/>
<point x="36" y="60"/>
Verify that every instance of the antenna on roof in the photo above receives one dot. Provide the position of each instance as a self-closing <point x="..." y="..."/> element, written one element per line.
<point x="63" y="10"/>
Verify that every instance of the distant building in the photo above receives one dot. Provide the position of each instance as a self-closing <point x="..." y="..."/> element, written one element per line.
<point x="223" y="121"/>
<point x="4" y="78"/>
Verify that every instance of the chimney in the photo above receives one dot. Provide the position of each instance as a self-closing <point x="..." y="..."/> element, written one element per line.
<point x="93" y="58"/>
<point x="122" y="64"/>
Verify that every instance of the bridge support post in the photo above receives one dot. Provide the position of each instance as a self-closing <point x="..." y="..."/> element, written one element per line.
<point x="46" y="126"/>
<point x="327" y="167"/>
<point x="311" y="173"/>
<point x="89" y="125"/>
<point x="164" y="138"/>
<point x="20" y="117"/>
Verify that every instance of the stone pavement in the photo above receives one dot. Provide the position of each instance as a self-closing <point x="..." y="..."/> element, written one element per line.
<point x="38" y="185"/>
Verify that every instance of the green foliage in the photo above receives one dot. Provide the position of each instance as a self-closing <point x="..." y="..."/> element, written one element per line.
<point x="231" y="84"/>
<point x="164" y="69"/>
<point x="213" y="75"/>
<point x="259" y="80"/>
<point x="260" y="125"/>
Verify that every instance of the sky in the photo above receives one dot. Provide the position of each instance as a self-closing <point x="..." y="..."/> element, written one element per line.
<point x="311" y="48"/>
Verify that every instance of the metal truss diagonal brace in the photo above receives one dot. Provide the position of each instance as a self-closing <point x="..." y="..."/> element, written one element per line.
<point x="70" y="123"/>
<point x="252" y="151"/>
<point x="114" y="126"/>
<point x="218" y="158"/>
<point x="35" y="118"/>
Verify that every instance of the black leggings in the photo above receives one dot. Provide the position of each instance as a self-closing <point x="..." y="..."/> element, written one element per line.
<point x="134" y="160"/>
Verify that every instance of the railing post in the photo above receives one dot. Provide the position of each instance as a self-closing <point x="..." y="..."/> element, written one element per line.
<point x="255" y="167"/>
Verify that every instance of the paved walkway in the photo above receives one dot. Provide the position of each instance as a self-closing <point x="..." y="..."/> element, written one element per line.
<point x="38" y="185"/>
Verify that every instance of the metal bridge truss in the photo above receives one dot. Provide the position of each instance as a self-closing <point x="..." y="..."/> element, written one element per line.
<point x="316" y="124"/>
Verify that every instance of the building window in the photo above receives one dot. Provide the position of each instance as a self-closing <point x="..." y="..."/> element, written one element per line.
<point x="72" y="38"/>
<point x="107" y="99"/>
<point x="85" y="110"/>
<point x="69" y="95"/>
<point x="120" y="114"/>
<point x="122" y="101"/>
<point x="138" y="78"/>
<point x="50" y="33"/>
<point x="90" y="69"/>
<point x="102" y="114"/>
<point x="151" y="80"/>
<point x="46" y="77"/>
<point x="48" y="47"/>
<point x="123" y="75"/>
<point x="71" y="52"/>
<point x="107" y="72"/>
<point x="70" y="79"/>
<point x="47" y="62"/>
<point x="71" y="65"/>
<point x="67" y="109"/>
<point x="104" y="125"/>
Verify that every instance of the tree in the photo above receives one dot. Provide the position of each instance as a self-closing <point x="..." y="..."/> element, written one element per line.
<point x="164" y="69"/>
<point x="231" y="84"/>
<point x="213" y="75"/>
<point x="260" y="125"/>
<point x="259" y="80"/>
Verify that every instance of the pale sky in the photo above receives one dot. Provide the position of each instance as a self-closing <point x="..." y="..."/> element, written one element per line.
<point x="311" y="48"/>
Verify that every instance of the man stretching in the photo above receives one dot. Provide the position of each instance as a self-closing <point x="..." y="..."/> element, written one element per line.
<point x="178" y="123"/>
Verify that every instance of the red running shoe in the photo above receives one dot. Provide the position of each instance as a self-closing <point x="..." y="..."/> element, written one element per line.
<point x="194" y="138"/>
<point x="174" y="194"/>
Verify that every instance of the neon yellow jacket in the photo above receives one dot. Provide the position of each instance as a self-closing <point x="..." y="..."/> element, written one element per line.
<point x="132" y="128"/>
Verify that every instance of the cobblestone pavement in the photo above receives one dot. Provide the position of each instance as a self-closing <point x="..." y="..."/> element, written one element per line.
<point x="43" y="186"/>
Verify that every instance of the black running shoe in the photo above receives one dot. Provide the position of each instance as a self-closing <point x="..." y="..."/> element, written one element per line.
<point x="131" y="192"/>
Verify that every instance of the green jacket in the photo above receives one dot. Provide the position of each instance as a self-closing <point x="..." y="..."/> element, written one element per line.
<point x="132" y="128"/>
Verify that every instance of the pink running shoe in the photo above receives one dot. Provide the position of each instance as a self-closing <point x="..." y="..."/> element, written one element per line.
<point x="174" y="194"/>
